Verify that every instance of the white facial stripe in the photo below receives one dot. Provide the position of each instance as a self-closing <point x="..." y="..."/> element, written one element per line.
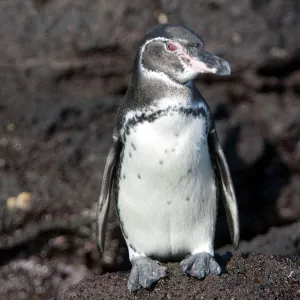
<point x="143" y="48"/>
<point x="149" y="74"/>
<point x="154" y="74"/>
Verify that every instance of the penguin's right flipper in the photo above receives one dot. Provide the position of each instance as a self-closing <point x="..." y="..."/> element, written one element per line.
<point x="106" y="192"/>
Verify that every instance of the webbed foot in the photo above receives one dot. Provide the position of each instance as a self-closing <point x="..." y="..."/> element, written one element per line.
<point x="144" y="273"/>
<point x="199" y="265"/>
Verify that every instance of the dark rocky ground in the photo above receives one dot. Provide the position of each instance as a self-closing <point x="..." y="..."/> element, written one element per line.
<point x="64" y="68"/>
<point x="246" y="277"/>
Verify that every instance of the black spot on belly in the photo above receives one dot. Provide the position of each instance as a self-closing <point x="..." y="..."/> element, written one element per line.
<point x="166" y="150"/>
<point x="169" y="202"/>
<point x="161" y="162"/>
<point x="176" y="134"/>
<point x="139" y="176"/>
<point x="189" y="171"/>
<point x="130" y="154"/>
<point x="133" y="146"/>
<point x="124" y="176"/>
<point x="187" y="199"/>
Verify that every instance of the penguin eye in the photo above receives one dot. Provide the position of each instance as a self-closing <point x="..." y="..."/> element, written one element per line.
<point x="171" y="47"/>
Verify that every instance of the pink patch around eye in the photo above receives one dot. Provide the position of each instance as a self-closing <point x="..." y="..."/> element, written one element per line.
<point x="172" y="47"/>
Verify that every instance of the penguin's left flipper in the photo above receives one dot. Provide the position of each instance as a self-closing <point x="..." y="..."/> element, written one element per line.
<point x="225" y="186"/>
<point x="107" y="192"/>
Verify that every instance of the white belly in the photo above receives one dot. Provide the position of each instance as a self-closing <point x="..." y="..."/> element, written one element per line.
<point x="167" y="194"/>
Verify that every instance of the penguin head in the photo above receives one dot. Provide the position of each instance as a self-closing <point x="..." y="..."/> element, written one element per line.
<point x="178" y="52"/>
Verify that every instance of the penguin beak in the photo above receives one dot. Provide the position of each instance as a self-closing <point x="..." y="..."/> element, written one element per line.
<point x="205" y="62"/>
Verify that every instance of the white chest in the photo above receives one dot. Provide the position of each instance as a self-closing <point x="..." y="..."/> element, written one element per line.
<point x="167" y="188"/>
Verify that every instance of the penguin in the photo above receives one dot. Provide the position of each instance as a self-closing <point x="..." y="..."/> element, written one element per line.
<point x="166" y="169"/>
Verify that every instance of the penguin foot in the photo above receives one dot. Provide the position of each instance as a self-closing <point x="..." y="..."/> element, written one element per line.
<point x="199" y="265"/>
<point x="144" y="273"/>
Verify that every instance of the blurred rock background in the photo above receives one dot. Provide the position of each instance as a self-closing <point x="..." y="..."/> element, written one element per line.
<point x="64" y="68"/>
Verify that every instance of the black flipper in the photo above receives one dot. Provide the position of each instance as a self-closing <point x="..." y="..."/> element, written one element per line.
<point x="225" y="186"/>
<point x="106" y="192"/>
